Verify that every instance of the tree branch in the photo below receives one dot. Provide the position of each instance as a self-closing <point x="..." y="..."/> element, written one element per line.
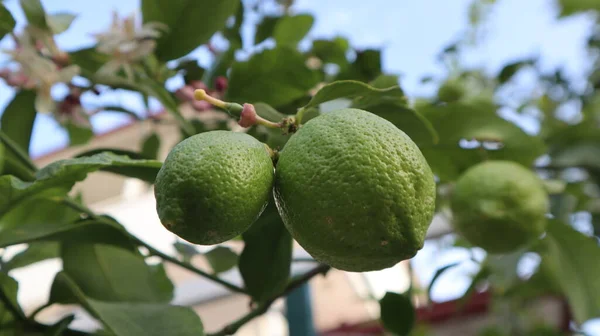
<point x="232" y="328"/>
<point x="155" y="252"/>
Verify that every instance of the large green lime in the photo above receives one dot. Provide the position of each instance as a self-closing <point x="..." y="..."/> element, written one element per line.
<point x="213" y="186"/>
<point x="499" y="206"/>
<point x="355" y="191"/>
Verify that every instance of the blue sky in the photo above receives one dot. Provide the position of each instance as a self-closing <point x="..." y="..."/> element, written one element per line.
<point x="411" y="34"/>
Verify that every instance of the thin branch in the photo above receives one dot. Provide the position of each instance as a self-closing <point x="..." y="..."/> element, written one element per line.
<point x="190" y="267"/>
<point x="232" y="328"/>
<point x="155" y="252"/>
<point x="17" y="151"/>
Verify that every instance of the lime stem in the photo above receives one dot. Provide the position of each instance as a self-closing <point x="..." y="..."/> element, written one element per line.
<point x="299" y="115"/>
<point x="233" y="108"/>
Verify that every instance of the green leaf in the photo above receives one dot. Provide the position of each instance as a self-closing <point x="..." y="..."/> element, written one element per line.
<point x="570" y="7"/>
<point x="267" y="255"/>
<point x="58" y="328"/>
<point x="150" y="146"/>
<point x="331" y="51"/>
<point x="192" y="71"/>
<point x="185" y="250"/>
<point x="220" y="66"/>
<point x="35" y="13"/>
<point x="365" y="94"/>
<point x="60" y="22"/>
<point x="397" y="313"/>
<point x="415" y="125"/>
<point x="438" y="273"/>
<point x="365" y="68"/>
<point x="571" y="255"/>
<point x="509" y="70"/>
<point x="111" y="273"/>
<point x="63" y="174"/>
<point x="8" y="291"/>
<point x="292" y="29"/>
<point x="47" y="219"/>
<point x="131" y="319"/>
<point x="18" y="117"/>
<point x="221" y="259"/>
<point x="265" y="28"/>
<point x="7" y="22"/>
<point x="89" y="60"/>
<point x="34" y="253"/>
<point x="78" y="135"/>
<point x="275" y="77"/>
<point x="117" y="151"/>
<point x="113" y="108"/>
<point x="494" y="138"/>
<point x="268" y="112"/>
<point x="191" y="23"/>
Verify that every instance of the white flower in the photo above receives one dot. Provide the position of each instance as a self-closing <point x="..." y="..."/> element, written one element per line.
<point x="42" y="72"/>
<point x="126" y="44"/>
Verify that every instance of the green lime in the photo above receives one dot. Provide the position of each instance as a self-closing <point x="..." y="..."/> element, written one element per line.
<point x="213" y="186"/>
<point x="355" y="191"/>
<point x="499" y="206"/>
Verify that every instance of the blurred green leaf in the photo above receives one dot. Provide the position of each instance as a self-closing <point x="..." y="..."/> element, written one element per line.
<point x="267" y="256"/>
<point x="365" y="94"/>
<point x="570" y="255"/>
<point x="78" y="135"/>
<point x="570" y="7"/>
<point x="113" y="108"/>
<point x="60" y="22"/>
<point x="192" y="71"/>
<point x="89" y="60"/>
<point x="34" y="253"/>
<point x="130" y="319"/>
<point x="397" y="313"/>
<point x="58" y="328"/>
<point x="8" y="289"/>
<point x="290" y="30"/>
<point x="417" y="127"/>
<point x="509" y="70"/>
<point x="52" y="220"/>
<point x="220" y="66"/>
<point x="365" y="68"/>
<point x="111" y="273"/>
<point x="221" y="259"/>
<point x="470" y="132"/>
<point x="166" y="98"/>
<point x="34" y="12"/>
<point x="265" y="28"/>
<point x="275" y="77"/>
<point x="17" y="120"/>
<point x="116" y="151"/>
<point x="331" y="51"/>
<point x="185" y="250"/>
<point x="150" y="146"/>
<point x="191" y="23"/>
<point x="438" y="273"/>
<point x="7" y="22"/>
<point x="233" y="32"/>
<point x="63" y="174"/>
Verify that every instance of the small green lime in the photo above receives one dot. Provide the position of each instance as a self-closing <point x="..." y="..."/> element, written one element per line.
<point x="499" y="206"/>
<point x="451" y="91"/>
<point x="355" y="191"/>
<point x="213" y="186"/>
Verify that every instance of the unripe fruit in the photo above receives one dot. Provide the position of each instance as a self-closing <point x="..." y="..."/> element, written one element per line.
<point x="499" y="206"/>
<point x="213" y="186"/>
<point x="355" y="191"/>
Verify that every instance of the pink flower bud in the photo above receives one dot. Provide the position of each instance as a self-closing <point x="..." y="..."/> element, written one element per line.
<point x="185" y="93"/>
<point x="248" y="117"/>
<point x="221" y="83"/>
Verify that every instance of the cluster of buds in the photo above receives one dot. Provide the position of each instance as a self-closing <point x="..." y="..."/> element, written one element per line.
<point x="37" y="71"/>
<point x="186" y="93"/>
<point x="70" y="108"/>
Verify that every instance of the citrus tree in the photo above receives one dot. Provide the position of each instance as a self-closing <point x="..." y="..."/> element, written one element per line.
<point x="356" y="187"/>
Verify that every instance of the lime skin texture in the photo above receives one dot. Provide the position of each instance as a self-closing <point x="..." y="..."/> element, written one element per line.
<point x="213" y="186"/>
<point x="355" y="191"/>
